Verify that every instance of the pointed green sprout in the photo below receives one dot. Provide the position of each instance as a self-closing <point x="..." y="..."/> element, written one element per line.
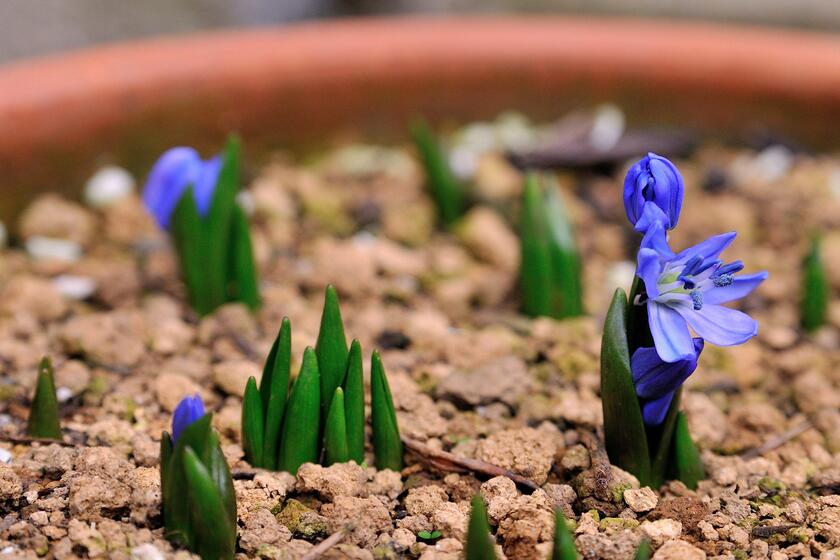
<point x="480" y="543"/>
<point x="550" y="271"/>
<point x="354" y="404"/>
<point x="335" y="432"/>
<point x="643" y="552"/>
<point x="300" y="440"/>
<point x="387" y="446"/>
<point x="43" y="416"/>
<point x="274" y="390"/>
<point x="198" y="500"/>
<point x="564" y="543"/>
<point x="331" y="349"/>
<point x="815" y="290"/>
<point x="215" y="251"/>
<point x="446" y="191"/>
<point x="687" y="463"/>
<point x="253" y="424"/>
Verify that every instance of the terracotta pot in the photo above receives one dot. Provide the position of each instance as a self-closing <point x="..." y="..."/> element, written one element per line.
<point x="300" y="86"/>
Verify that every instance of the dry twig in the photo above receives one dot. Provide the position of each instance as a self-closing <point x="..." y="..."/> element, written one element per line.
<point x="446" y="461"/>
<point x="777" y="441"/>
<point x="322" y="547"/>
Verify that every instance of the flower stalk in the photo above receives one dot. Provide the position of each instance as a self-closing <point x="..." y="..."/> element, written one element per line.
<point x="648" y="350"/>
<point x="195" y="201"/>
<point x="198" y="500"/>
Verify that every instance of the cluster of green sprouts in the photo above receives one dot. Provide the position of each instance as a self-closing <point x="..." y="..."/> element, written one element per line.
<point x="322" y="417"/>
<point x="550" y="270"/>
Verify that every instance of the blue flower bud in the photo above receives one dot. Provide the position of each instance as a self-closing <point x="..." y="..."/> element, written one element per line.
<point x="653" y="191"/>
<point x="173" y="173"/>
<point x="190" y="409"/>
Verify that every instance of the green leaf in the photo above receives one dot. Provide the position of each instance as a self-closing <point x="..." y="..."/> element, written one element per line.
<point x="535" y="266"/>
<point x="660" y="439"/>
<point x="165" y="458"/>
<point x="214" y="532"/>
<point x="566" y="286"/>
<point x="188" y="232"/>
<point x="220" y="472"/>
<point x="387" y="446"/>
<point x="331" y="349"/>
<point x="624" y="429"/>
<point x="242" y="276"/>
<point x="299" y="443"/>
<point x="335" y="432"/>
<point x="43" y="415"/>
<point x="446" y="192"/>
<point x="815" y="290"/>
<point x="274" y="389"/>
<point x="253" y="425"/>
<point x="643" y="552"/>
<point x="688" y="465"/>
<point x="479" y="540"/>
<point x="564" y="544"/>
<point x="354" y="404"/>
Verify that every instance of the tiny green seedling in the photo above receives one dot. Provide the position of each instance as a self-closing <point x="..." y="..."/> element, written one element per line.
<point x="43" y="416"/>
<point x="430" y="536"/>
<point x="447" y="193"/>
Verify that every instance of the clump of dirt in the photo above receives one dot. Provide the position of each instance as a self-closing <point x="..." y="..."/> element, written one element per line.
<point x="471" y="377"/>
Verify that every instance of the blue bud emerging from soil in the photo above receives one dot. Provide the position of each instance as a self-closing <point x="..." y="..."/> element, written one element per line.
<point x="190" y="409"/>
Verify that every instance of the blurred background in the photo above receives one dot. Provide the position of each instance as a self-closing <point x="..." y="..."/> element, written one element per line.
<point x="38" y="27"/>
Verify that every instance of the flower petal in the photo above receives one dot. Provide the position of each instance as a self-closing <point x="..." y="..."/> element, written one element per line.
<point x="173" y="172"/>
<point x="710" y="248"/>
<point x="205" y="184"/>
<point x="648" y="269"/>
<point x="654" y="411"/>
<point x="654" y="377"/>
<point x="741" y="286"/>
<point x="190" y="409"/>
<point x="670" y="332"/>
<point x="651" y="213"/>
<point x="656" y="239"/>
<point x="718" y="324"/>
<point x="669" y="187"/>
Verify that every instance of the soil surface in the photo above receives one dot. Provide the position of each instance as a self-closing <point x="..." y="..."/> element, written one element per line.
<point x="469" y="374"/>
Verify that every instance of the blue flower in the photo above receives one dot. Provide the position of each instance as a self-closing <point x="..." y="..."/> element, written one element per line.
<point x="173" y="173"/>
<point x="190" y="409"/>
<point x="653" y="192"/>
<point x="687" y="289"/>
<point x="656" y="381"/>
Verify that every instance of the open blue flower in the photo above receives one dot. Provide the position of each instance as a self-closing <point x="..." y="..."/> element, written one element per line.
<point x="653" y="192"/>
<point x="173" y="173"/>
<point x="190" y="409"/>
<point x="687" y="289"/>
<point x="656" y="381"/>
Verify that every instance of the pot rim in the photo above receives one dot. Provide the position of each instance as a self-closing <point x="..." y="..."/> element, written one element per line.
<point x="59" y="114"/>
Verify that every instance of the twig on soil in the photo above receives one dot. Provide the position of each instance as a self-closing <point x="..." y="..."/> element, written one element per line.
<point x="600" y="463"/>
<point x="322" y="547"/>
<point x="767" y="531"/>
<point x="446" y="461"/>
<point x="777" y="441"/>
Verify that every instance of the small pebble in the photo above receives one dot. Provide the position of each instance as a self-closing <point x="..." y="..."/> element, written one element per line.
<point x="146" y="551"/>
<point x="607" y="127"/>
<point x="246" y="201"/>
<point x="107" y="186"/>
<point x="75" y="287"/>
<point x="5" y="456"/>
<point x="641" y="500"/>
<point x="63" y="394"/>
<point x="49" y="248"/>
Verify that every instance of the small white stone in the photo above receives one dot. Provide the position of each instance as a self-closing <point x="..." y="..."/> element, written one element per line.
<point x="107" y="186"/>
<point x="620" y="275"/>
<point x="463" y="160"/>
<point x="63" y="394"/>
<point x="75" y="287"/>
<point x="8" y="550"/>
<point x="607" y="127"/>
<point x="5" y="456"/>
<point x="246" y="201"/>
<point x="146" y="551"/>
<point x="50" y="248"/>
